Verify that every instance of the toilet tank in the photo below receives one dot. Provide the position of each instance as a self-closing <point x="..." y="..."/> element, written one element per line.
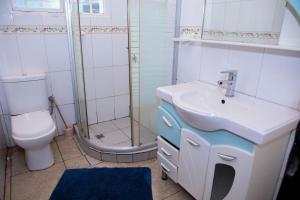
<point x="25" y="93"/>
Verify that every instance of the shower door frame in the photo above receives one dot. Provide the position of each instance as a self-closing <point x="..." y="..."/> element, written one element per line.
<point x="68" y="10"/>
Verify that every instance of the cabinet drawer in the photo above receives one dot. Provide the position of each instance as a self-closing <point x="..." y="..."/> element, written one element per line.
<point x="169" y="152"/>
<point x="167" y="167"/>
<point x="168" y="127"/>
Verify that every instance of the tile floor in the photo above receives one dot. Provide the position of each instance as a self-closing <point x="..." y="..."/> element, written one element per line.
<point x="117" y="133"/>
<point x="22" y="184"/>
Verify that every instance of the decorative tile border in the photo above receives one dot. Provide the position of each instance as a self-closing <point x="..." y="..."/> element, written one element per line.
<point x="61" y="29"/>
<point x="191" y="31"/>
<point x="195" y="32"/>
<point x="104" y="29"/>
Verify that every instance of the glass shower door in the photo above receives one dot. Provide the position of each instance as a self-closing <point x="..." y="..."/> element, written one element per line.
<point x="75" y="48"/>
<point x="152" y="27"/>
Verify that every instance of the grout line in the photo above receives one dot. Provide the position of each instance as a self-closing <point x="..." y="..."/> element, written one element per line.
<point x="63" y="161"/>
<point x="173" y="194"/>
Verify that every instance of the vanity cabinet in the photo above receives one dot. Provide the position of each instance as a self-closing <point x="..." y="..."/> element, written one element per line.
<point x="194" y="154"/>
<point x="219" y="164"/>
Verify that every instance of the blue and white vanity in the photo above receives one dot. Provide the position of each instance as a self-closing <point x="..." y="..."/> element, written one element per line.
<point x="217" y="147"/>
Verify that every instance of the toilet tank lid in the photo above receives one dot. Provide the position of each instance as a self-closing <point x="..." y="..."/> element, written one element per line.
<point x="18" y="78"/>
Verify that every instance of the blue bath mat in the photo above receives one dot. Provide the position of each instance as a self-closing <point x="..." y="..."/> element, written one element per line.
<point x="104" y="184"/>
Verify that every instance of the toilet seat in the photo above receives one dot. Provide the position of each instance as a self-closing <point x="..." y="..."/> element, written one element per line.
<point x="32" y="125"/>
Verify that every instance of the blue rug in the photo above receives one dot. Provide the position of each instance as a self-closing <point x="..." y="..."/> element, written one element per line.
<point x="104" y="184"/>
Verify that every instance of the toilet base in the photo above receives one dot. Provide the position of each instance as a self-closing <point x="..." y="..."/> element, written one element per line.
<point x="39" y="158"/>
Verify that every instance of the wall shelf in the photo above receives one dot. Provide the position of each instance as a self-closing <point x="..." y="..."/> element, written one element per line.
<point x="266" y="46"/>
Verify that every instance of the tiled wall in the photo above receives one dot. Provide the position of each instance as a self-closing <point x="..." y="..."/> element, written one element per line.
<point x="273" y="75"/>
<point x="105" y="59"/>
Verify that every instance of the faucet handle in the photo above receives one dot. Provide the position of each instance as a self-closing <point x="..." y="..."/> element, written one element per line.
<point x="230" y="72"/>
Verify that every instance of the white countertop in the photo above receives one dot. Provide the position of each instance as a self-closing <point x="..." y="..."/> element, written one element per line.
<point x="261" y="123"/>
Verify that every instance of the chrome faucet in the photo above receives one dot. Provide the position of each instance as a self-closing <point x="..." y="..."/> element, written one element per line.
<point x="230" y="82"/>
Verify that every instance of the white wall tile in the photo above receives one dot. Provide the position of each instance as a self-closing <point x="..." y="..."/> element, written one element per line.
<point x="49" y="84"/>
<point x="248" y="62"/>
<point x="120" y="49"/>
<point x="122" y="106"/>
<point x="217" y="16"/>
<point x="87" y="50"/>
<point x="5" y="7"/>
<point x="214" y="59"/>
<point x="10" y="62"/>
<point x="119" y="12"/>
<point x="90" y="86"/>
<point x="62" y="87"/>
<point x="85" y="20"/>
<point x="54" y="19"/>
<point x="121" y="80"/>
<point x="102" y="50"/>
<point x="105" y="109"/>
<point x="68" y="114"/>
<point x="231" y="15"/>
<point x="245" y="22"/>
<point x="104" y="82"/>
<point x="7" y="124"/>
<point x="33" y="53"/>
<point x="57" y="52"/>
<point x="3" y="102"/>
<point x="101" y="20"/>
<point x="6" y="19"/>
<point x="280" y="78"/>
<point x="21" y="18"/>
<point x="191" y="14"/>
<point x="188" y="62"/>
<point x="92" y="112"/>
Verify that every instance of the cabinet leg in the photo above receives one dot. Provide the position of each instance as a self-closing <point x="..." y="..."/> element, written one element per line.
<point x="164" y="176"/>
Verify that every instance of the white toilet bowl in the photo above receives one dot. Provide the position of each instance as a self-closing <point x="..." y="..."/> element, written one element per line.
<point x="34" y="131"/>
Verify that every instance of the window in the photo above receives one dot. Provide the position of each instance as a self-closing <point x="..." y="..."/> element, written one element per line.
<point x="91" y="6"/>
<point x="37" y="5"/>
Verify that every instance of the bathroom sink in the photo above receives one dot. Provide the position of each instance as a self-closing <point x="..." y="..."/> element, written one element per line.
<point x="206" y="107"/>
<point x="207" y="110"/>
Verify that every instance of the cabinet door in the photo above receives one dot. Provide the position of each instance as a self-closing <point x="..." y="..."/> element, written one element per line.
<point x="193" y="159"/>
<point x="228" y="173"/>
<point x="168" y="126"/>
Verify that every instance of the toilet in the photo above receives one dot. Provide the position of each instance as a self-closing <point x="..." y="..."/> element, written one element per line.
<point x="32" y="125"/>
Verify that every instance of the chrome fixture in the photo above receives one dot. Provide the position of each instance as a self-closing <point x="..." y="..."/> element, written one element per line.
<point x="231" y="82"/>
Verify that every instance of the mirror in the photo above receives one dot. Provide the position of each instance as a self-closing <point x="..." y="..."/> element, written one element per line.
<point x="248" y="21"/>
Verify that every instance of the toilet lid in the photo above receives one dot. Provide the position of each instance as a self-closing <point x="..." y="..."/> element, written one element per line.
<point x="33" y="124"/>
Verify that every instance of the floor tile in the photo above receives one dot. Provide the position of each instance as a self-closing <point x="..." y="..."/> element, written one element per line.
<point x="78" y="162"/>
<point x="68" y="148"/>
<point x="161" y="188"/>
<point x="18" y="161"/>
<point x="56" y="153"/>
<point x="92" y="160"/>
<point x="36" y="185"/>
<point x="122" y="122"/>
<point x="181" y="195"/>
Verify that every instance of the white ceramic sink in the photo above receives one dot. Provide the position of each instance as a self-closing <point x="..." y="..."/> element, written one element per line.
<point x="205" y="107"/>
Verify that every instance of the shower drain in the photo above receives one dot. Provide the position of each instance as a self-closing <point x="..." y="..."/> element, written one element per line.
<point x="99" y="136"/>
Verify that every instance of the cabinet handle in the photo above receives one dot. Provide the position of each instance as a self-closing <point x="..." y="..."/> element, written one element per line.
<point x="165" y="152"/>
<point x="192" y="142"/>
<point x="167" y="122"/>
<point x="165" y="168"/>
<point x="226" y="157"/>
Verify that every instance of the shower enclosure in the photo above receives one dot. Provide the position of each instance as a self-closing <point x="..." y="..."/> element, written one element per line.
<point x="107" y="127"/>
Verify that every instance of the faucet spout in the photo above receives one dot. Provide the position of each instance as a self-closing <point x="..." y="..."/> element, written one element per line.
<point x="230" y="82"/>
